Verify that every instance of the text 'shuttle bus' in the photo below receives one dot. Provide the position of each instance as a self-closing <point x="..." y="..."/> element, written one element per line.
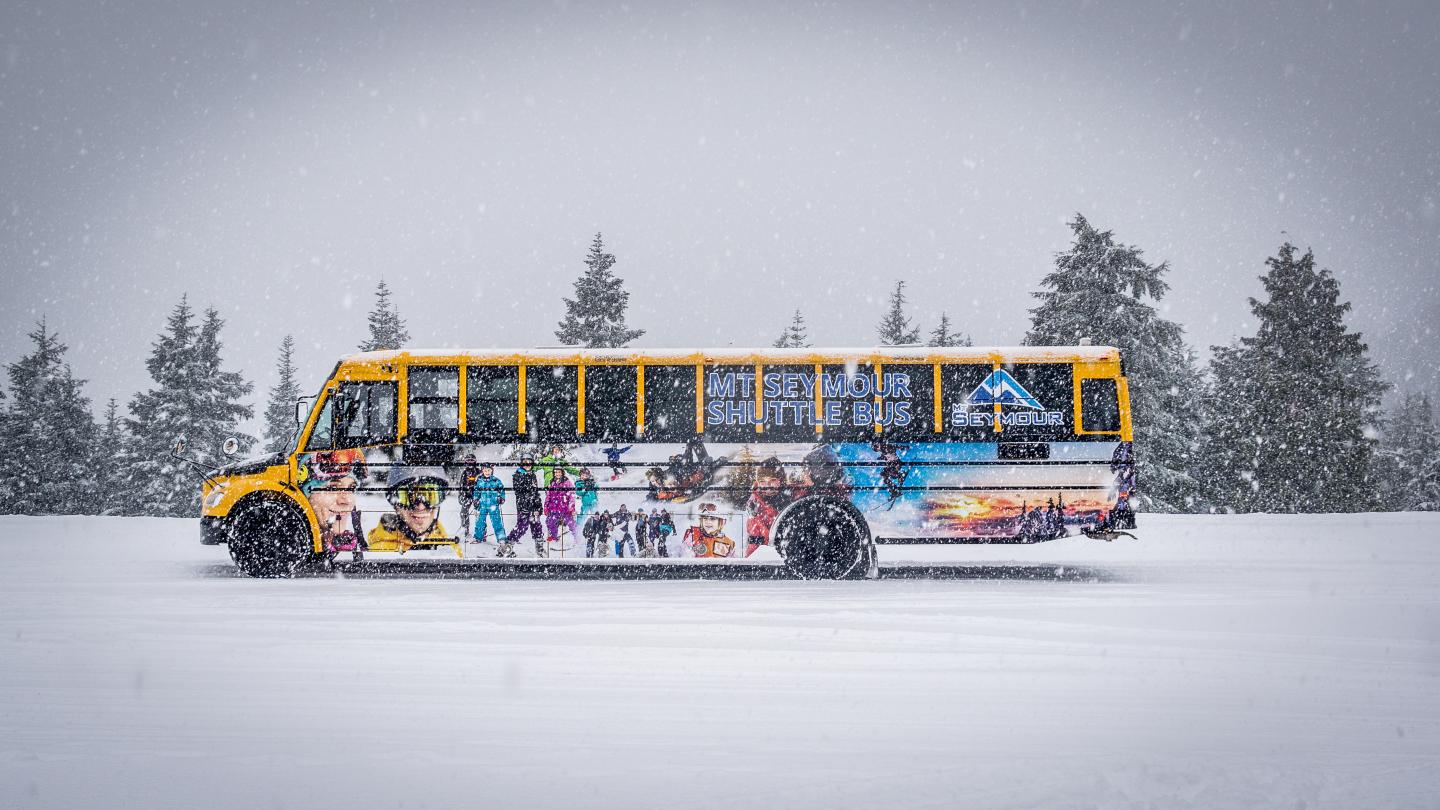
<point x="803" y="457"/>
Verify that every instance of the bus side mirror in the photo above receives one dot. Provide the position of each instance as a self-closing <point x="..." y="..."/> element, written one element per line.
<point x="231" y="446"/>
<point x="178" y="448"/>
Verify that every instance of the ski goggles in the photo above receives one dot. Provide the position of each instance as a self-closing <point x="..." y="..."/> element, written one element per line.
<point x="418" y="496"/>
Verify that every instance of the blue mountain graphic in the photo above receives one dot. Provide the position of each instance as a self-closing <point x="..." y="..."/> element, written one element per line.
<point x="1001" y="388"/>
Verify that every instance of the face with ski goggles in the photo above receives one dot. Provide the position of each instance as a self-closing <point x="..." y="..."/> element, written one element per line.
<point x="417" y="497"/>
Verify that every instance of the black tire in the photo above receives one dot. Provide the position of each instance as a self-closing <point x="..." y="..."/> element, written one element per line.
<point x="824" y="538"/>
<point x="269" y="538"/>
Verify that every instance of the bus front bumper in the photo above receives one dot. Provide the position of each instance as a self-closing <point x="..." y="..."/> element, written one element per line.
<point x="213" y="531"/>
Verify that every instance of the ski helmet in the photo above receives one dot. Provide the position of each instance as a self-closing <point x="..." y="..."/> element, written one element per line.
<point x="402" y="478"/>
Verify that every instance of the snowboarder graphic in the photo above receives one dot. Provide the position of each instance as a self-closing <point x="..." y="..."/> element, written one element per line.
<point x="612" y="457"/>
<point x="487" y="495"/>
<point x="767" y="498"/>
<point x="707" y="537"/>
<point x="892" y="471"/>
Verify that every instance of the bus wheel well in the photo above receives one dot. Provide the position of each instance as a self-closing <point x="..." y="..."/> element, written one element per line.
<point x="269" y="535"/>
<point x="824" y="538"/>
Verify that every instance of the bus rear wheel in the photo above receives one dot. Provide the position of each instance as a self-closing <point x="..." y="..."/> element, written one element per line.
<point x="824" y="538"/>
<point x="269" y="538"/>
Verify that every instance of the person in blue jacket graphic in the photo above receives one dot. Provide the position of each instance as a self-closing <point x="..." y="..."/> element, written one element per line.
<point x="488" y="496"/>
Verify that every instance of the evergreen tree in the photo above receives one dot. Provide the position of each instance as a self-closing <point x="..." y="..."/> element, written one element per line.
<point x="1102" y="291"/>
<point x="595" y="317"/>
<point x="108" y="449"/>
<point x="46" y="434"/>
<point x="280" y="412"/>
<point x="795" y="335"/>
<point x="941" y="336"/>
<point x="1409" y="455"/>
<point x="387" y="330"/>
<point x="895" y="328"/>
<point x="193" y="399"/>
<point x="1293" y="408"/>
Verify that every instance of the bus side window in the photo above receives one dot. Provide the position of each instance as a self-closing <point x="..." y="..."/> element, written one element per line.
<point x="552" y="399"/>
<point x="669" y="403"/>
<point x="610" y="398"/>
<point x="321" y="435"/>
<point x="850" y="427"/>
<point x="919" y="423"/>
<point x="492" y="402"/>
<point x="365" y="414"/>
<point x="790" y="413"/>
<point x="963" y="421"/>
<point x="434" y="393"/>
<point x="1099" y="406"/>
<point x="729" y="403"/>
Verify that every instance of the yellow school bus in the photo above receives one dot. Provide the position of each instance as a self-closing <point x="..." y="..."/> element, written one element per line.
<point x="811" y="459"/>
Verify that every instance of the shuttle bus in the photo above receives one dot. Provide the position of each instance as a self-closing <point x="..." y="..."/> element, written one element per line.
<point x="812" y="459"/>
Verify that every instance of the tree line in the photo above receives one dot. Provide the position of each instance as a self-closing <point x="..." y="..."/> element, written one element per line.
<point x="1288" y="419"/>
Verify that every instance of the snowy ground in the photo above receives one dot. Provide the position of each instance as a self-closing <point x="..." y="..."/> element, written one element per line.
<point x="1217" y="662"/>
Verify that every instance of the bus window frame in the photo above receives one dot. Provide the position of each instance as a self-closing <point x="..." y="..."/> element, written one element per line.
<point x="1082" y="372"/>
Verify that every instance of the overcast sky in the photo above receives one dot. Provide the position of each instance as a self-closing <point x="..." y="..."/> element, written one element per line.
<point x="741" y="159"/>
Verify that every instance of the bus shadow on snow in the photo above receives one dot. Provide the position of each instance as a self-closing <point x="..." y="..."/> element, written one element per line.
<point x="581" y="571"/>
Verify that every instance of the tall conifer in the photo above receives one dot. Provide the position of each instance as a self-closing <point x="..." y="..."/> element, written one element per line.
<point x="795" y="336"/>
<point x="1293" y="410"/>
<point x="595" y="317"/>
<point x="1103" y="291"/>
<point x="280" y="411"/>
<point x="46" y="434"/>
<point x="895" y="328"/>
<point x="387" y="329"/>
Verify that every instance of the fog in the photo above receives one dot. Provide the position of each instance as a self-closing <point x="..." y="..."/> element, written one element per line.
<point x="741" y="160"/>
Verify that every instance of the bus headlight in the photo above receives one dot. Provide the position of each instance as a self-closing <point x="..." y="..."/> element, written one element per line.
<point x="216" y="496"/>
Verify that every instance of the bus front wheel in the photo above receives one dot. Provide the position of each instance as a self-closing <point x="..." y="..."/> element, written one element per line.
<point x="269" y="538"/>
<point x="824" y="538"/>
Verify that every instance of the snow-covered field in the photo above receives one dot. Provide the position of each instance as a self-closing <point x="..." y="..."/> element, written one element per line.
<point x="1257" y="661"/>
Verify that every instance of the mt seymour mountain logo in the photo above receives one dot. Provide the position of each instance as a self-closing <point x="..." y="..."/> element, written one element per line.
<point x="1002" y="389"/>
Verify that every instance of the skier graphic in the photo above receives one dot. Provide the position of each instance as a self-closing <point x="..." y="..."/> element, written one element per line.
<point x="707" y="537"/>
<point x="767" y="498"/>
<point x="415" y="493"/>
<point x="560" y="510"/>
<point x="528" y="508"/>
<point x="468" y="473"/>
<point x="329" y="480"/>
<point x="487" y="495"/>
<point x="588" y="492"/>
<point x="662" y="526"/>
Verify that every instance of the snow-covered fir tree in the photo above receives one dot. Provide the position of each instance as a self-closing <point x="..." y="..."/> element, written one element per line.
<point x="193" y="399"/>
<point x="1104" y="291"/>
<point x="280" y="424"/>
<point x="595" y="317"/>
<point x="1292" y="411"/>
<point x="1409" y="456"/>
<point x="795" y="335"/>
<point x="387" y="329"/>
<point x="943" y="335"/>
<point x="895" y="328"/>
<point x="46" y="434"/>
<point x="109" y="446"/>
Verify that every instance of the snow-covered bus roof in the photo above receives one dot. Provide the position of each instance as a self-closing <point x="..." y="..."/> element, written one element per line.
<point x="730" y="355"/>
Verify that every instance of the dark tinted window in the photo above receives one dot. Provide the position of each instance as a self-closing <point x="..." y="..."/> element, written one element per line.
<point x="364" y="414"/>
<point x="919" y="407"/>
<point x="610" y="403"/>
<point x="964" y="419"/>
<point x="434" y="393"/>
<point x="1099" y="405"/>
<point x="492" y="402"/>
<point x="730" y="403"/>
<point x="1051" y="387"/>
<point x="669" y="403"/>
<point x="847" y="418"/>
<point x="552" y="397"/>
<point x="789" y="401"/>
